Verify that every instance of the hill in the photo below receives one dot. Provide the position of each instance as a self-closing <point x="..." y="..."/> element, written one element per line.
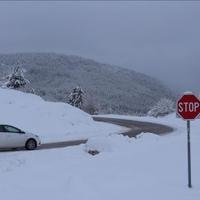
<point x="111" y="89"/>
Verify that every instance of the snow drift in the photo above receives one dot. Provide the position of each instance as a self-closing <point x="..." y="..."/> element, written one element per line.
<point x="51" y="121"/>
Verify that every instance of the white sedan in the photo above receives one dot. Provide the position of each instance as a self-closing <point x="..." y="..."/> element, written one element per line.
<point x="12" y="137"/>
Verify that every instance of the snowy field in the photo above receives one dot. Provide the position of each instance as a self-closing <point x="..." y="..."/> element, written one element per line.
<point x="147" y="168"/>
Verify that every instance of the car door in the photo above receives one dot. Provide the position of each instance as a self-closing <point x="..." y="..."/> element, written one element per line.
<point x="2" y="137"/>
<point x="13" y="137"/>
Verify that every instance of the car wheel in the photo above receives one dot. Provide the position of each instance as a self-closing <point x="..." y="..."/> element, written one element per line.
<point x="31" y="144"/>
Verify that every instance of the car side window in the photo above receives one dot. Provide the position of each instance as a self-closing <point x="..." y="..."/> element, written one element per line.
<point x="11" y="129"/>
<point x="1" y="129"/>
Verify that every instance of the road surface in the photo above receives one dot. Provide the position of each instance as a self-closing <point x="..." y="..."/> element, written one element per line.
<point x="55" y="145"/>
<point x="136" y="127"/>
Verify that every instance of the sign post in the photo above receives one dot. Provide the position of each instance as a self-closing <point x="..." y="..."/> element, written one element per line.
<point x="188" y="108"/>
<point x="189" y="154"/>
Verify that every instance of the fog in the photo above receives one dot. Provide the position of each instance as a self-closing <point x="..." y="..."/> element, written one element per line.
<point x="161" y="39"/>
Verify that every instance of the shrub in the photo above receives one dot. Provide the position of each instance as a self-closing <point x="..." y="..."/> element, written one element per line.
<point x="163" y="107"/>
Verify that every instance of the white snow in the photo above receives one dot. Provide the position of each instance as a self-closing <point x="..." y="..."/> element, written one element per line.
<point x="147" y="168"/>
<point x="188" y="93"/>
<point x="51" y="121"/>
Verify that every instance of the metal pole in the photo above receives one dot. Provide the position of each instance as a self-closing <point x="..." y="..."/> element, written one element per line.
<point x="189" y="154"/>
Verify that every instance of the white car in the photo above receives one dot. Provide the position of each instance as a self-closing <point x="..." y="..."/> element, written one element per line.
<point x="12" y="137"/>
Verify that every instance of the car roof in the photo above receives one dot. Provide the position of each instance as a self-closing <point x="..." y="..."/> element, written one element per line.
<point x="7" y="125"/>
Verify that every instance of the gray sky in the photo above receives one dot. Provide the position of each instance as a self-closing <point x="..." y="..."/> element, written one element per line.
<point x="161" y="39"/>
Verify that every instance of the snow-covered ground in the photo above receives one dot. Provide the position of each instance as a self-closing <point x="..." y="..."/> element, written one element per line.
<point x="51" y="121"/>
<point x="147" y="168"/>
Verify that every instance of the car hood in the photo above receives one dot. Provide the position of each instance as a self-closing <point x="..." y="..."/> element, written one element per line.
<point x="31" y="134"/>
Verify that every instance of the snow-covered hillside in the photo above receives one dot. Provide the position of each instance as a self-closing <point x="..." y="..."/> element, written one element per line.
<point x="147" y="168"/>
<point x="108" y="88"/>
<point x="51" y="121"/>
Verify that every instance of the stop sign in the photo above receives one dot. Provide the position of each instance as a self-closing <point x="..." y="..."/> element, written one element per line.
<point x="188" y="107"/>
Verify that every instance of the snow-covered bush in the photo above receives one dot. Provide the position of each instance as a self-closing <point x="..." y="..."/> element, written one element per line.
<point x="16" y="79"/>
<point x="91" y="109"/>
<point x="76" y="97"/>
<point x="90" y="105"/>
<point x="163" y="107"/>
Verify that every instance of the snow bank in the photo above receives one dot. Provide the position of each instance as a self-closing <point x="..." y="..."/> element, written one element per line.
<point x="118" y="143"/>
<point x="51" y="121"/>
<point x="107" y="143"/>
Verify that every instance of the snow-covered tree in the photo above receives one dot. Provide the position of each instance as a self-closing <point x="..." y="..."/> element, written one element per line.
<point x="16" y="79"/>
<point x="163" y="107"/>
<point x="76" y="97"/>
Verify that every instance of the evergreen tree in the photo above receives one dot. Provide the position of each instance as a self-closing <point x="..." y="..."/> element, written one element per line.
<point x="76" y="97"/>
<point x="16" y="79"/>
<point x="163" y="107"/>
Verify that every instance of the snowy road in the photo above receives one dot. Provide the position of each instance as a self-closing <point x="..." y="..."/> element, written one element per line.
<point x="55" y="145"/>
<point x="136" y="127"/>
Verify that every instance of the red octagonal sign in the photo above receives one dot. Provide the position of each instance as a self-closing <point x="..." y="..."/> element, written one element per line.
<point x="188" y="107"/>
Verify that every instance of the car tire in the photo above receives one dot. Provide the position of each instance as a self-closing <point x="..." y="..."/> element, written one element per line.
<point x="31" y="144"/>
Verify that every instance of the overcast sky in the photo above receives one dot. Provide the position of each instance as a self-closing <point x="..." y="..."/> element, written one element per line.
<point x="161" y="39"/>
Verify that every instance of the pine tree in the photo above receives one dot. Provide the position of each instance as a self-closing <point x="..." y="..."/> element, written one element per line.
<point x="76" y="97"/>
<point x="16" y="79"/>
